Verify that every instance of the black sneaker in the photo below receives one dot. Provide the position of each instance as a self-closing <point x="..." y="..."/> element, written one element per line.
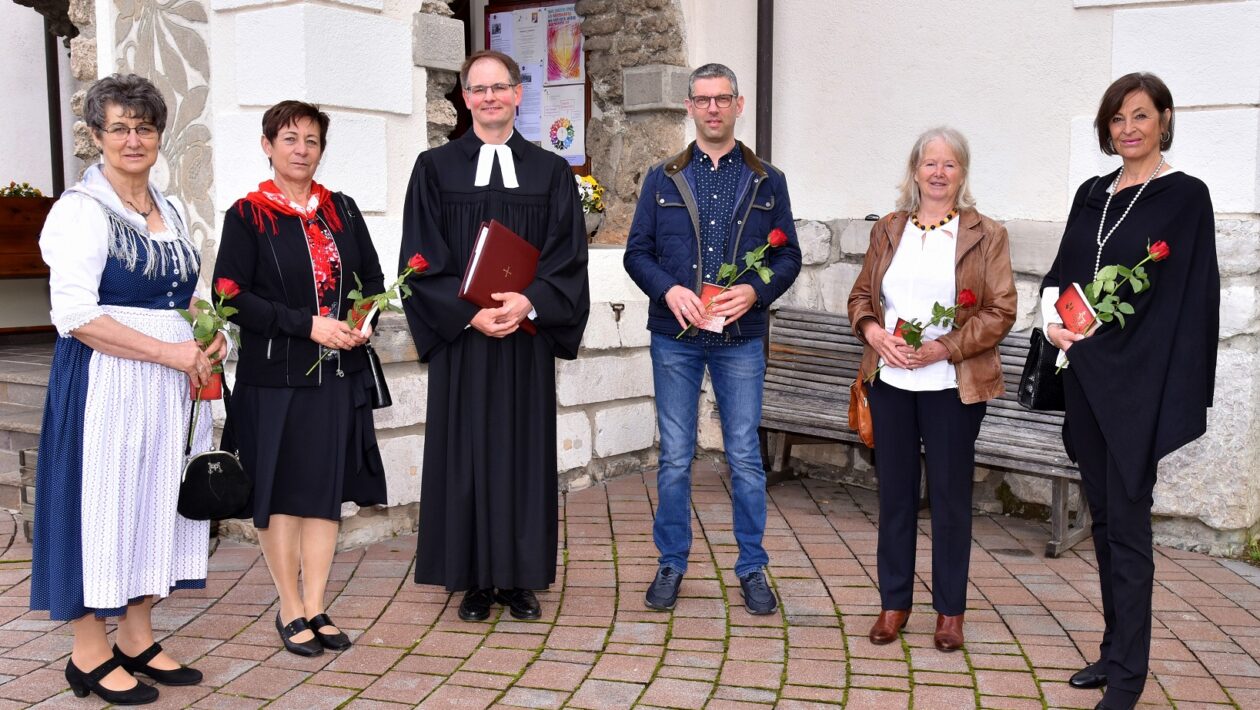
<point x="663" y="594"/>
<point x="757" y="595"/>
<point x="476" y="604"/>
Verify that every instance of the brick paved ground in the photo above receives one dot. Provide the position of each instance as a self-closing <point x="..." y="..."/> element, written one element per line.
<point x="1030" y="623"/>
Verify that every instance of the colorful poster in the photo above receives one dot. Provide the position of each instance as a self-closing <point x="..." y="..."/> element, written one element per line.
<point x="564" y="121"/>
<point x="565" y="56"/>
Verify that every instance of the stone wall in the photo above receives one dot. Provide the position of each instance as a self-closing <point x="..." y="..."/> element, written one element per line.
<point x="625" y="137"/>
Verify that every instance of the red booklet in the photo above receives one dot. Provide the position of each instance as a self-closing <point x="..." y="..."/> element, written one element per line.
<point x="501" y="262"/>
<point x="711" y="323"/>
<point x="1074" y="310"/>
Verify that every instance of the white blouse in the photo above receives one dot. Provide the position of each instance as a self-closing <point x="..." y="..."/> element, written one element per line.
<point x="921" y="274"/>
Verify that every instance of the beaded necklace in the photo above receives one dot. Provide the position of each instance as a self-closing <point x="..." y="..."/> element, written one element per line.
<point x="915" y="218"/>
<point x="1102" y="240"/>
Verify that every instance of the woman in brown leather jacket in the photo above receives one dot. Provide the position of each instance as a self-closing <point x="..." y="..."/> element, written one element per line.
<point x="936" y="248"/>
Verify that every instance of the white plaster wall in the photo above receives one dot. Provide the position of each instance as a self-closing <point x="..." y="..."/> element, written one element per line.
<point x="373" y="138"/>
<point x="24" y="144"/>
<point x="726" y="32"/>
<point x="856" y="82"/>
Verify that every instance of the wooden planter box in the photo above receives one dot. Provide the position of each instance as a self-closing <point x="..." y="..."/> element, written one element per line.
<point x="21" y="219"/>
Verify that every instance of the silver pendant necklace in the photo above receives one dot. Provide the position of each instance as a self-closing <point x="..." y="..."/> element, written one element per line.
<point x="1102" y="240"/>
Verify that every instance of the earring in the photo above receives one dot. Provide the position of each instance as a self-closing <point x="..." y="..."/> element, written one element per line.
<point x="1165" y="137"/>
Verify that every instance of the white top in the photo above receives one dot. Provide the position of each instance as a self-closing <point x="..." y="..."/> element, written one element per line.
<point x="921" y="274"/>
<point x="75" y="245"/>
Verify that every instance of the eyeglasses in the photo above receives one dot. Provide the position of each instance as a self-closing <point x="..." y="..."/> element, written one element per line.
<point x="497" y="89"/>
<point x="144" y="131"/>
<point x="722" y="100"/>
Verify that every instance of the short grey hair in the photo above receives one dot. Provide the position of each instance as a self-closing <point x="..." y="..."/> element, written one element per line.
<point x="137" y="97"/>
<point x="908" y="199"/>
<point x="712" y="71"/>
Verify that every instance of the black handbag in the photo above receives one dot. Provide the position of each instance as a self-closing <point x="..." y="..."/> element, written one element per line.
<point x="1040" y="387"/>
<point x="215" y="485"/>
<point x="380" y="388"/>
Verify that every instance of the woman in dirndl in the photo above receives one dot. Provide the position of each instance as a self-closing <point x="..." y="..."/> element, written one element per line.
<point x="108" y="539"/>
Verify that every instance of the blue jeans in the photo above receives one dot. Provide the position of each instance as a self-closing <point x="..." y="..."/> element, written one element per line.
<point x="738" y="373"/>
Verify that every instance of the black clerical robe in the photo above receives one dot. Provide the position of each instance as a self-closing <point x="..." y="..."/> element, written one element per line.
<point x="1148" y="384"/>
<point x="488" y="515"/>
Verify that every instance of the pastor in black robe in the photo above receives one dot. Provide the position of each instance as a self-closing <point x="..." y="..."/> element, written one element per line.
<point x="488" y="504"/>
<point x="1136" y="393"/>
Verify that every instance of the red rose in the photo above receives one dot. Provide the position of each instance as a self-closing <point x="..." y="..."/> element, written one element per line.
<point x="418" y="264"/>
<point x="777" y="238"/>
<point x="226" y="288"/>
<point x="966" y="298"/>
<point x="1158" y="251"/>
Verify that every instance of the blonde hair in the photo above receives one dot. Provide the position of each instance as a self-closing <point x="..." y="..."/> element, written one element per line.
<point x="908" y="198"/>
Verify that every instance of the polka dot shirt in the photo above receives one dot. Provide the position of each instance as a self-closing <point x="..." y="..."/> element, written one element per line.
<point x="716" y="188"/>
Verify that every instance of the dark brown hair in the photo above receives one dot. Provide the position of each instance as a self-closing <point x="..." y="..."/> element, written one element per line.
<point x="288" y="113"/>
<point x="514" y="69"/>
<point x="1113" y="98"/>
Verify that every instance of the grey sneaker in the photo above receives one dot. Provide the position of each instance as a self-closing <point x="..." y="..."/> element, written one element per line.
<point x="757" y="595"/>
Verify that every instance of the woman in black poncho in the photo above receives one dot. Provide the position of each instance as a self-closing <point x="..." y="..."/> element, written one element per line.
<point x="1134" y="393"/>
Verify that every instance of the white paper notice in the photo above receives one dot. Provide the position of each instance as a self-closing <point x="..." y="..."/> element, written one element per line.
<point x="564" y="121"/>
<point x="502" y="33"/>
<point x="530" y="36"/>
<point x="529" y="113"/>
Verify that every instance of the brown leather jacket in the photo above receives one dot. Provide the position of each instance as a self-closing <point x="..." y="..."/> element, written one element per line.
<point x="983" y="264"/>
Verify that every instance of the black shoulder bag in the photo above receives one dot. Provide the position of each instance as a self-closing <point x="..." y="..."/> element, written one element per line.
<point x="215" y="485"/>
<point x="380" y="388"/>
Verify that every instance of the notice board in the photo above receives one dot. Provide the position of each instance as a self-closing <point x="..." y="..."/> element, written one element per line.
<point x="545" y="39"/>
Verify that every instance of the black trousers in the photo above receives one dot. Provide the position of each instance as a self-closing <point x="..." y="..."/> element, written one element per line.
<point x="1122" y="545"/>
<point x="947" y="429"/>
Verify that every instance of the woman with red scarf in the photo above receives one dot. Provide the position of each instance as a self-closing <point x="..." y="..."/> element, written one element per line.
<point x="304" y="433"/>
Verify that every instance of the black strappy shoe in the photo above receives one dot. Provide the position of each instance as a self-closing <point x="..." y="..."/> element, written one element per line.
<point x="333" y="642"/>
<point x="83" y="683"/>
<point x="293" y="628"/>
<point x="140" y="664"/>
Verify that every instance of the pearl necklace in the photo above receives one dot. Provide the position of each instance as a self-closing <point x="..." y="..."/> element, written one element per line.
<point x="1102" y="240"/>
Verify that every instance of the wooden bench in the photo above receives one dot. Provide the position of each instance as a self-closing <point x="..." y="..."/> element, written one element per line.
<point x="813" y="358"/>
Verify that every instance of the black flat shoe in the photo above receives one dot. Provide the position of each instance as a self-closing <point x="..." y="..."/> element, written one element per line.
<point x="333" y="642"/>
<point x="293" y="628"/>
<point x="140" y="664"/>
<point x="520" y="602"/>
<point x="1089" y="677"/>
<point x="476" y="604"/>
<point x="662" y="594"/>
<point x="83" y="683"/>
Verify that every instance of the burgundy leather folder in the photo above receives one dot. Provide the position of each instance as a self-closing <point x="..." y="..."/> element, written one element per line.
<point x="501" y="262"/>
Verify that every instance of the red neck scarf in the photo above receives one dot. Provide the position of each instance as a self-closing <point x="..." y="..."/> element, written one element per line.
<point x="268" y="201"/>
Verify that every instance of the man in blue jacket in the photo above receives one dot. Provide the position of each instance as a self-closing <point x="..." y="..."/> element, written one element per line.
<point x="711" y="204"/>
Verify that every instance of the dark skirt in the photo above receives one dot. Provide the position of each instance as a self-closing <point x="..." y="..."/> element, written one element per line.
<point x="309" y="449"/>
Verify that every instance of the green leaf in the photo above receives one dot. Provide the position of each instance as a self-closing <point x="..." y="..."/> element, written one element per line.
<point x="405" y="290"/>
<point x="1139" y="286"/>
<point x="228" y="311"/>
<point x="1108" y="273"/>
<point x="1120" y="317"/>
<point x="1105" y="307"/>
<point x="750" y="258"/>
<point x="358" y="284"/>
<point x="726" y="272"/>
<point x="1140" y="272"/>
<point x="1125" y="308"/>
<point x="765" y="273"/>
<point x="188" y="316"/>
<point x="1104" y="317"/>
<point x="354" y="295"/>
<point x="1124" y="272"/>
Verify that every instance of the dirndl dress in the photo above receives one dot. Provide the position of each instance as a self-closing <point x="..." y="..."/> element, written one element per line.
<point x="111" y="448"/>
